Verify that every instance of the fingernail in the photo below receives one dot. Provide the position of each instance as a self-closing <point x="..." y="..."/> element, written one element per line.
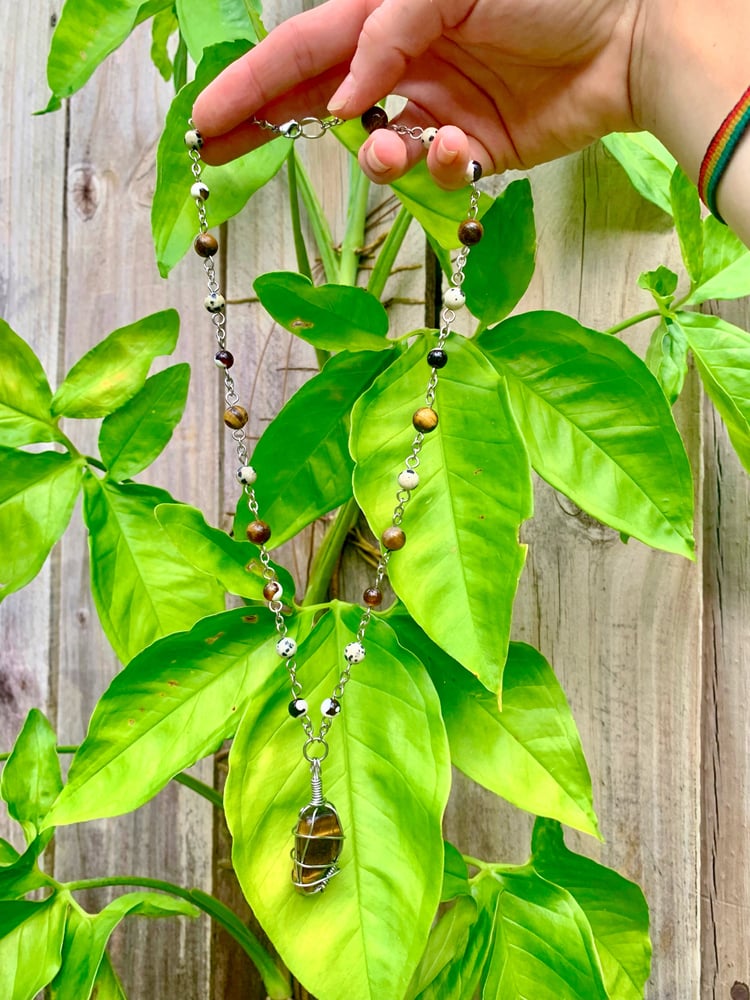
<point x="445" y="155"/>
<point x="374" y="163"/>
<point x="342" y="96"/>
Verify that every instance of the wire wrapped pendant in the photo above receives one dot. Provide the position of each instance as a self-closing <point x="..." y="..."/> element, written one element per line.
<point x="318" y="839"/>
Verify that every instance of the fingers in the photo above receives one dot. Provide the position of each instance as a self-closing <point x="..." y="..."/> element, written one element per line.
<point x="297" y="54"/>
<point x="386" y="156"/>
<point x="394" y="33"/>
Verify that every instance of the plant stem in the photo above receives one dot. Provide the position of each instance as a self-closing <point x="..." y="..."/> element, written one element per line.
<point x="303" y="261"/>
<point x="476" y="862"/>
<point x="354" y="238"/>
<point x="200" y="788"/>
<point x="639" y="318"/>
<point x="276" y="984"/>
<point x="329" y="552"/>
<point x="318" y="224"/>
<point x="388" y="252"/>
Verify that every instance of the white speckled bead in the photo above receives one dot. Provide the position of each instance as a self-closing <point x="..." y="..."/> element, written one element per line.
<point x="428" y="137"/>
<point x="214" y="302"/>
<point x="408" y="479"/>
<point x="247" y="475"/>
<point x="193" y="139"/>
<point x="354" y="652"/>
<point x="286" y="647"/>
<point x="454" y="298"/>
<point x="200" y="191"/>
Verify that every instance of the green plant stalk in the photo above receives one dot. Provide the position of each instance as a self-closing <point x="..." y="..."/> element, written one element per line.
<point x="200" y="788"/>
<point x="300" y="250"/>
<point x="389" y="252"/>
<point x="276" y="984"/>
<point x="356" y="216"/>
<point x="303" y="260"/>
<point x="318" y="224"/>
<point x="633" y="321"/>
<point x="329" y="552"/>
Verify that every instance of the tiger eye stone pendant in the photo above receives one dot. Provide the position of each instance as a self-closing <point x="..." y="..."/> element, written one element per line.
<point x="318" y="839"/>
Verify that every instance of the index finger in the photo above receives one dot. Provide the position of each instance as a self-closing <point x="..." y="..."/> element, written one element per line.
<point x="301" y="49"/>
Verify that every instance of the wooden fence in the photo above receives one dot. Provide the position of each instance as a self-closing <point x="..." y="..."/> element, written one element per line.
<point x="653" y="651"/>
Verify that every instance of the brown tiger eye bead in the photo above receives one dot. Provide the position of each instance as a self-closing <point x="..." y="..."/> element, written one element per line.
<point x="317" y="845"/>
<point x="258" y="532"/>
<point x="393" y="538"/>
<point x="235" y="417"/>
<point x="470" y="232"/>
<point x="205" y="245"/>
<point x="425" y="419"/>
<point x="373" y="119"/>
<point x="272" y="589"/>
<point x="373" y="597"/>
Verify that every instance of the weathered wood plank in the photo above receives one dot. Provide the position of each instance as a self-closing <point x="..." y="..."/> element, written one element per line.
<point x="725" y="889"/>
<point x="32" y="163"/>
<point x="112" y="280"/>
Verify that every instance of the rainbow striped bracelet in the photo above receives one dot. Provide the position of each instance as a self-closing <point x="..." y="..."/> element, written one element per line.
<point x="720" y="152"/>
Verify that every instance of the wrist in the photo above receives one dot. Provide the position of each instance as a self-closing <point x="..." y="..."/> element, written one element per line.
<point x="689" y="68"/>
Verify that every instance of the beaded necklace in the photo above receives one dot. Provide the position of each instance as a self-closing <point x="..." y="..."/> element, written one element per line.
<point x="318" y="834"/>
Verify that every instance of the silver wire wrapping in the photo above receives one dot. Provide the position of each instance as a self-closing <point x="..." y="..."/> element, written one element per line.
<point x="318" y="833"/>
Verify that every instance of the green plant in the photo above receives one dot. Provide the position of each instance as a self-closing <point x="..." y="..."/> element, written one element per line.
<point x="530" y="391"/>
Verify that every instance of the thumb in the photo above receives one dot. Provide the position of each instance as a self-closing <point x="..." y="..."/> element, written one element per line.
<point x="396" y="32"/>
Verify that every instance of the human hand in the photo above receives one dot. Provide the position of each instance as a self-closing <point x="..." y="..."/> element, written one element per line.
<point x="513" y="84"/>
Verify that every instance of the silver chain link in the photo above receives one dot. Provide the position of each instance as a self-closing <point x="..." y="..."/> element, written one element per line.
<point x="315" y="128"/>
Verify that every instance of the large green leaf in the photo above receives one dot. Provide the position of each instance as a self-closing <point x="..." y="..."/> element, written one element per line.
<point x="666" y="357"/>
<point x="142" y="586"/>
<point x="207" y="22"/>
<point x="37" y="496"/>
<point x="726" y="265"/>
<point x="597" y="426"/>
<point x="31" y="939"/>
<point x="543" y="945"/>
<point x="499" y="268"/>
<point x="25" y="395"/>
<point x="455" y="872"/>
<point x="31" y="779"/>
<point x="459" y="571"/>
<point x="530" y="752"/>
<point x="313" y="431"/>
<point x="133" y="436"/>
<point x="686" y="207"/>
<point x="87" y="32"/>
<point x="87" y="936"/>
<point x="22" y="875"/>
<point x="171" y="705"/>
<point x="615" y="909"/>
<point x="647" y="163"/>
<point x="174" y="218"/>
<point x="236" y="565"/>
<point x="116" y="368"/>
<point x="448" y="939"/>
<point x="722" y="354"/>
<point x="388" y="775"/>
<point x="107" y="985"/>
<point x="163" y="26"/>
<point x="8" y="854"/>
<point x="438" y="212"/>
<point x="452" y="965"/>
<point x="330" y="317"/>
